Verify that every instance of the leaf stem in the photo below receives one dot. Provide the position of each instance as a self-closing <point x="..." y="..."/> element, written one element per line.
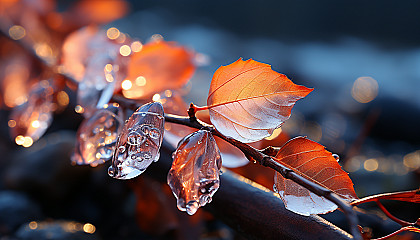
<point x="408" y="228"/>
<point x="255" y="155"/>
<point x="251" y="153"/>
<point x="392" y="217"/>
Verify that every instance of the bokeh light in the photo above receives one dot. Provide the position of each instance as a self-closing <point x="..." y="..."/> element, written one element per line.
<point x="113" y="33"/>
<point x="364" y="89"/>
<point x="17" y="32"/>
<point x="126" y="84"/>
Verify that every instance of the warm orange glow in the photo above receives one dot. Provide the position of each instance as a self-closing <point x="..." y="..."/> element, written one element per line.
<point x="35" y="124"/>
<point x="17" y="32"/>
<point x="109" y="77"/>
<point x="33" y="225"/>
<point x="108" y="67"/>
<point x="113" y="33"/>
<point x="79" y="109"/>
<point x="11" y="123"/>
<point x="141" y="81"/>
<point x="27" y="142"/>
<point x="43" y="50"/>
<point x="364" y="89"/>
<point x="275" y="134"/>
<point x="412" y="160"/>
<point x="371" y="165"/>
<point x="54" y="20"/>
<point x="126" y="84"/>
<point x="62" y="98"/>
<point x="168" y="93"/>
<point x="89" y="228"/>
<point x="136" y="46"/>
<point x="125" y="50"/>
<point x="19" y="140"/>
<point x="156" y="97"/>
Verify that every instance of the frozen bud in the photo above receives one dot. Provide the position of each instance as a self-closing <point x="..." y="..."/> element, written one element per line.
<point x="139" y="143"/>
<point x="97" y="136"/>
<point x="194" y="175"/>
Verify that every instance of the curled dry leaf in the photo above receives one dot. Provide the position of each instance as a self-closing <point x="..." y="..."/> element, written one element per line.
<point x="312" y="161"/>
<point x="139" y="142"/>
<point x="157" y="67"/>
<point x="194" y="175"/>
<point x="248" y="100"/>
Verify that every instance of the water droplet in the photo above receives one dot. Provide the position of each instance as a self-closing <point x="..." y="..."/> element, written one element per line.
<point x="192" y="207"/>
<point x="111" y="171"/>
<point x="336" y="157"/>
<point x="220" y="172"/>
<point x="154" y="133"/>
<point x="275" y="188"/>
<point x="121" y="149"/>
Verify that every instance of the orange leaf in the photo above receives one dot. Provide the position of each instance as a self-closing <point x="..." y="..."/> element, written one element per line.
<point x="101" y="12"/>
<point x="158" y="66"/>
<point x="310" y="160"/>
<point x="248" y="100"/>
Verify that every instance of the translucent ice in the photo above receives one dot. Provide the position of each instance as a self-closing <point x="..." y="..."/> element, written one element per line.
<point x="33" y="117"/>
<point x="194" y="175"/>
<point x="97" y="136"/>
<point x="139" y="143"/>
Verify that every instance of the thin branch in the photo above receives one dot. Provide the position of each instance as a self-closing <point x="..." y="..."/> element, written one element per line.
<point x="408" y="228"/>
<point x="251" y="153"/>
<point x="392" y="217"/>
<point x="255" y="155"/>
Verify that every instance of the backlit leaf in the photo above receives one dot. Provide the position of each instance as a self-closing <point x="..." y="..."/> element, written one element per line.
<point x="248" y="100"/>
<point x="157" y="67"/>
<point x="310" y="160"/>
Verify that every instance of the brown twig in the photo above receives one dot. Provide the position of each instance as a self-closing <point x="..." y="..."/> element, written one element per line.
<point x="255" y="155"/>
<point x="251" y="153"/>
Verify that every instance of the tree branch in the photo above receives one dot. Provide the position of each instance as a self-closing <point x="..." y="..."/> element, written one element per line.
<point x="251" y="153"/>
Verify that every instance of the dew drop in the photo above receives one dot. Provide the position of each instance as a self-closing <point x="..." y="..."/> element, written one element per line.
<point x="121" y="149"/>
<point x="111" y="171"/>
<point x="220" y="172"/>
<point x="154" y="133"/>
<point x="336" y="157"/>
<point x="275" y="188"/>
<point x="192" y="207"/>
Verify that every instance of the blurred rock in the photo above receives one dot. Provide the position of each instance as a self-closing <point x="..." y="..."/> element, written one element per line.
<point x="44" y="169"/>
<point x="57" y="230"/>
<point x="15" y="209"/>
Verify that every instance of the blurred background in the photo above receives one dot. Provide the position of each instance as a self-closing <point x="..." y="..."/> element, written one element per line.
<point x="361" y="57"/>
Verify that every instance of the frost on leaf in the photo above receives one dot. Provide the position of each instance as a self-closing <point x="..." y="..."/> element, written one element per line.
<point x="97" y="136"/>
<point x="93" y="59"/>
<point x="248" y="100"/>
<point x="139" y="143"/>
<point x="310" y="160"/>
<point x="157" y="67"/>
<point x="194" y="175"/>
<point x="33" y="117"/>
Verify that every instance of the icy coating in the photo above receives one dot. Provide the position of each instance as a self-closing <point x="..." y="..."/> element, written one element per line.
<point x="97" y="136"/>
<point x="194" y="175"/>
<point x="139" y="143"/>
<point x="35" y="115"/>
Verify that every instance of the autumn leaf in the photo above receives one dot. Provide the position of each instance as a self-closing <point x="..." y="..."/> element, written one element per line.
<point x="100" y="12"/>
<point x="157" y="67"/>
<point x="312" y="161"/>
<point x="248" y="100"/>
